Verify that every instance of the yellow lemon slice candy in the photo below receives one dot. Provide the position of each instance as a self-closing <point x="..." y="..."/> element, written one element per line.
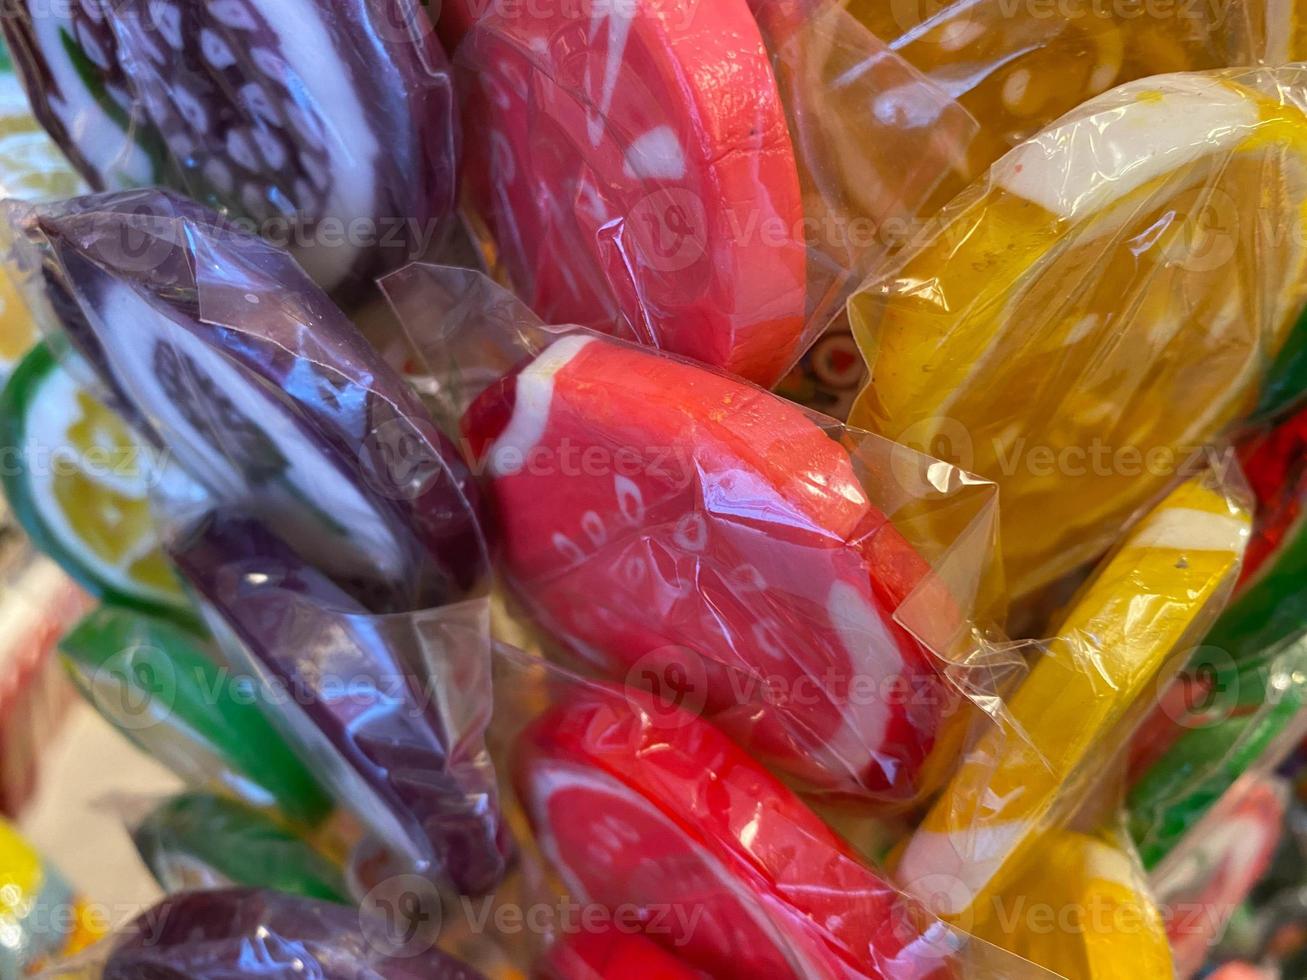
<point x="1101" y="305"/>
<point x="1155" y="595"/>
<point x="1016" y="68"/>
<point x="1081" y="910"/>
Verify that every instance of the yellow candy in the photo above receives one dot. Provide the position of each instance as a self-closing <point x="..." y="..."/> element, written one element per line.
<point x="1102" y="304"/>
<point x="1017" y="67"/>
<point x="1133" y="621"/>
<point x="1082" y="911"/>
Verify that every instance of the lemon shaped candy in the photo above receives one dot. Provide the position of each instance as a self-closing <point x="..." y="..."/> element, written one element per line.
<point x="1155" y="595"/>
<point x="1098" y="307"/>
<point x="78" y="480"/>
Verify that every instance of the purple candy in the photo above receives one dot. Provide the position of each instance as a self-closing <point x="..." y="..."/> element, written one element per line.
<point x="247" y="933"/>
<point x="381" y="697"/>
<point x="327" y="123"/>
<point x="267" y="394"/>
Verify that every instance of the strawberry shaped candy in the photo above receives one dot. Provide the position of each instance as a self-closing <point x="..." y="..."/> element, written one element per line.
<point x="331" y="121"/>
<point x="637" y="173"/>
<point x="689" y="531"/>
<point x="371" y="714"/>
<point x="638" y="806"/>
<point x="260" y="388"/>
<point x="246" y="932"/>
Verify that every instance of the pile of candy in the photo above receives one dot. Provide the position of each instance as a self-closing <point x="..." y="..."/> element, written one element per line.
<point x="657" y="488"/>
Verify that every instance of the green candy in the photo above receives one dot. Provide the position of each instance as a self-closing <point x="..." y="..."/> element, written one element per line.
<point x="198" y="840"/>
<point x="1286" y="382"/>
<point x="159" y="685"/>
<point x="1176" y="792"/>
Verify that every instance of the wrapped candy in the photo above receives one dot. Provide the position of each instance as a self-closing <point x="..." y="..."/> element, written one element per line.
<point x="1241" y="704"/>
<point x="213" y="935"/>
<point x="164" y="687"/>
<point x="1203" y="882"/>
<point x="329" y="125"/>
<point x="1034" y="336"/>
<point x="745" y="555"/>
<point x="369" y="696"/>
<point x="31" y="169"/>
<point x="40" y="917"/>
<point x="1095" y="887"/>
<point x="649" y="146"/>
<point x="265" y="394"/>
<point x="196" y="841"/>
<point x="1122" y="635"/>
<point x="715" y="859"/>
<point x="613" y="955"/>
<point x="80" y="484"/>
<point x="1014" y="70"/>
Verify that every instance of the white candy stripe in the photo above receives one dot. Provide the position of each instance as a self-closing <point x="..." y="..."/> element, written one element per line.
<point x="1186" y="529"/>
<point x="535" y="394"/>
<point x="1119" y="142"/>
<point x="948" y="870"/>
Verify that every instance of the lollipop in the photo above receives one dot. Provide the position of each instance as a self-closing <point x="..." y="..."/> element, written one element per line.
<point x="266" y="394"/>
<point x="1036" y="338"/>
<point x="637" y="174"/>
<point x="681" y="821"/>
<point x="738" y="557"/>
<point x="1156" y="593"/>
<point x="214" y="935"/>
<point x="331" y="121"/>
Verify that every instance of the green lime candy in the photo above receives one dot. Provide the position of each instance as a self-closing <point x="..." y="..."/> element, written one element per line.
<point x="198" y="840"/>
<point x="158" y="684"/>
<point x="78" y="481"/>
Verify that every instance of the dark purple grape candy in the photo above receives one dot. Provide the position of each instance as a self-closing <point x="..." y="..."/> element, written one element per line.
<point x="251" y="934"/>
<point x="266" y="393"/>
<point x="393" y="707"/>
<point x="327" y="123"/>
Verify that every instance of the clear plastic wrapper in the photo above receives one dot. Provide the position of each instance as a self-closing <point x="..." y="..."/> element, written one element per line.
<point x="1083" y="909"/>
<point x="389" y="710"/>
<point x="1124" y="635"/>
<point x="809" y="588"/>
<point x="636" y="172"/>
<point x="41" y="919"/>
<point x="328" y="126"/>
<point x="690" y="843"/>
<point x="166" y="689"/>
<point x="1099" y="306"/>
<point x="245" y="932"/>
<point x="200" y="841"/>
<point x="221" y="349"/>
<point x="1204" y="881"/>
<point x="1238" y="705"/>
<point x="332" y="532"/>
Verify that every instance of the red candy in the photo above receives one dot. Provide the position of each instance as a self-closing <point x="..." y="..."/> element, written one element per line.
<point x="613" y="955"/>
<point x="741" y="565"/>
<point x="638" y="805"/>
<point x="635" y="167"/>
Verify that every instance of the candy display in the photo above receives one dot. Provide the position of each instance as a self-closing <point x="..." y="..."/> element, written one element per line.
<point x="40" y="916"/>
<point x="198" y="841"/>
<point x="212" y="935"/>
<point x="80" y="485"/>
<point x="329" y="125"/>
<point x="1046" y="354"/>
<point x="265" y="393"/>
<point x="1156" y="593"/>
<point x="653" y="489"/>
<point x="363" y="698"/>
<point x="165" y="688"/>
<point x="656" y="157"/>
